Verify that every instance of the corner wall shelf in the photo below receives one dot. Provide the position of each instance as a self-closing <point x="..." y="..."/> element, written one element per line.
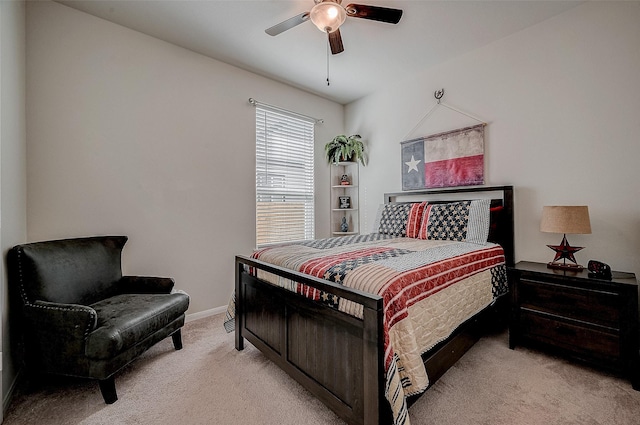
<point x="350" y="191"/>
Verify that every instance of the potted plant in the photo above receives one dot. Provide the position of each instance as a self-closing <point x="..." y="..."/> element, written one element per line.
<point x="345" y="148"/>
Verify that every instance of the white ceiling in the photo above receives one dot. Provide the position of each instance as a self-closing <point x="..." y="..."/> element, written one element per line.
<point x="232" y="31"/>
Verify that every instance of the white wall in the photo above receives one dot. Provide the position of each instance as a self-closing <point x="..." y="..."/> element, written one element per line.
<point x="562" y="100"/>
<point x="13" y="202"/>
<point x="131" y="135"/>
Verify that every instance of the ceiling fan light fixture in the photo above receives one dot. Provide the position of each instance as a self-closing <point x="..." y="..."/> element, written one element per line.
<point x="328" y="16"/>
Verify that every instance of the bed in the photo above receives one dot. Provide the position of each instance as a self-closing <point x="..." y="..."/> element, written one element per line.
<point x="351" y="318"/>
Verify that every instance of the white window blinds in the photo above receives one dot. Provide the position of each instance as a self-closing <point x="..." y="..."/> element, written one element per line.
<point x="284" y="177"/>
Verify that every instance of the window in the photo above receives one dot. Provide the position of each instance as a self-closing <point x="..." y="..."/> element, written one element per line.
<point x="284" y="177"/>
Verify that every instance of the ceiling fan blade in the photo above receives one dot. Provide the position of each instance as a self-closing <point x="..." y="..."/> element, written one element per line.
<point x="375" y="13"/>
<point x="335" y="41"/>
<point x="288" y="24"/>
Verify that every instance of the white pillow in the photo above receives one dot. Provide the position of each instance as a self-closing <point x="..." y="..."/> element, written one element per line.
<point x="376" y="221"/>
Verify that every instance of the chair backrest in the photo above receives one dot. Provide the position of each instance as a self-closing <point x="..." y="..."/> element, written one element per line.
<point x="72" y="271"/>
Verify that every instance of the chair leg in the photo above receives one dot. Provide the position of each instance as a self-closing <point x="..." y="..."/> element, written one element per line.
<point x="177" y="339"/>
<point x="108" y="389"/>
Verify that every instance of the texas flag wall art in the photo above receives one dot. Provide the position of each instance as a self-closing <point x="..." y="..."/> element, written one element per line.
<point x="454" y="158"/>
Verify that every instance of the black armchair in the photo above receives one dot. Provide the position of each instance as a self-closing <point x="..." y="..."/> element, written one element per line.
<point x="81" y="317"/>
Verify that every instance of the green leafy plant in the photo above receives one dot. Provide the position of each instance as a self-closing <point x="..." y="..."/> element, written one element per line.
<point x="345" y="148"/>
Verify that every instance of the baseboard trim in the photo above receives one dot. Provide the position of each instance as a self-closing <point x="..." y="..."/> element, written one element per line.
<point x="8" y="397"/>
<point x="205" y="313"/>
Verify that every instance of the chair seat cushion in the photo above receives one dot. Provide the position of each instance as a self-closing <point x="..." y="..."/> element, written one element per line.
<point x="127" y="319"/>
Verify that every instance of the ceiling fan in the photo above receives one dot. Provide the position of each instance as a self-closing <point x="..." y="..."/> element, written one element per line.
<point x="328" y="15"/>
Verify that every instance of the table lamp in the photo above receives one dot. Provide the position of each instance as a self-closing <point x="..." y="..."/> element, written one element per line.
<point x="565" y="219"/>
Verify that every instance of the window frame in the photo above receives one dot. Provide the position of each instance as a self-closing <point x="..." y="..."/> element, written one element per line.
<point x="285" y="176"/>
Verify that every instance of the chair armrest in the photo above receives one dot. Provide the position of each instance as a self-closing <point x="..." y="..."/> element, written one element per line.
<point x="60" y="328"/>
<point x="146" y="285"/>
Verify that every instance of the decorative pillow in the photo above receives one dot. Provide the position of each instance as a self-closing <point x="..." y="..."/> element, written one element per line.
<point x="415" y="219"/>
<point x="376" y="220"/>
<point x="393" y="220"/>
<point x="464" y="221"/>
<point x="495" y="215"/>
<point x="479" y="221"/>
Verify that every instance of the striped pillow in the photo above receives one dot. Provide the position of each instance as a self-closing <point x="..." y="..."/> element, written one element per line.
<point x="415" y="219"/>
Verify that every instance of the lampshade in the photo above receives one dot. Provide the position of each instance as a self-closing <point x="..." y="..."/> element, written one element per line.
<point x="328" y="16"/>
<point x="565" y="219"/>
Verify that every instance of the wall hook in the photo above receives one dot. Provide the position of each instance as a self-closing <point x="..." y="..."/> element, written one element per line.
<point x="438" y="94"/>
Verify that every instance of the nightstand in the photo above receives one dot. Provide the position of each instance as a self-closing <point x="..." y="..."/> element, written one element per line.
<point x="571" y="314"/>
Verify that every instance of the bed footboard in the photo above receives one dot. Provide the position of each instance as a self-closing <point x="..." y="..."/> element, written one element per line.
<point x="337" y="357"/>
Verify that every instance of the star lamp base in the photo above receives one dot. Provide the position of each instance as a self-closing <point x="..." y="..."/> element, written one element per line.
<point x="565" y="252"/>
<point x="564" y="266"/>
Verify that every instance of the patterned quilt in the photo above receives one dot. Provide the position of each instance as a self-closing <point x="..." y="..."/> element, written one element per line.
<point x="429" y="288"/>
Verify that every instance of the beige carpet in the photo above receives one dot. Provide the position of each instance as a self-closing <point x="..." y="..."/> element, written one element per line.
<point x="209" y="382"/>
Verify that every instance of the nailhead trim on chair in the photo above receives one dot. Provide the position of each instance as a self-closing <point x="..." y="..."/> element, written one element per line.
<point x="25" y="299"/>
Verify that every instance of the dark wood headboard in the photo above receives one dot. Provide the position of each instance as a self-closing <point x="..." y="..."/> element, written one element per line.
<point x="501" y="230"/>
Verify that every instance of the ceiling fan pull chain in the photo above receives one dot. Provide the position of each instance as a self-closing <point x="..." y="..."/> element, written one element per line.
<point x="328" y="56"/>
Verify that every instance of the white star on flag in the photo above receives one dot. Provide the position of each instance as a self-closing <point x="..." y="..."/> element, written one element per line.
<point x="413" y="164"/>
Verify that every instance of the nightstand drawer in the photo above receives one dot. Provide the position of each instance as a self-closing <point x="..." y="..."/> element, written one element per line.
<point x="583" y="341"/>
<point x="594" y="306"/>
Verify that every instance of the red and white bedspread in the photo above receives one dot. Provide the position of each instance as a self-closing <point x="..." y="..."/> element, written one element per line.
<point x="429" y="288"/>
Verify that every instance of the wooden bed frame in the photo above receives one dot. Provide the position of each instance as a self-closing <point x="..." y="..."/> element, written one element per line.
<point x="338" y="357"/>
